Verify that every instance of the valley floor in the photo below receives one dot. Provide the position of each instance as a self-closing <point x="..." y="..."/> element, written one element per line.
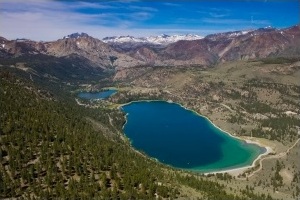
<point x="81" y="149"/>
<point x="256" y="101"/>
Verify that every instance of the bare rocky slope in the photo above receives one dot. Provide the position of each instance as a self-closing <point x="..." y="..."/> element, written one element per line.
<point x="97" y="52"/>
<point x="215" y="48"/>
<point x="222" y="47"/>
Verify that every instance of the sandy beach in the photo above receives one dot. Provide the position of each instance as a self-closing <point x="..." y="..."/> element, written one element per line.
<point x="240" y="170"/>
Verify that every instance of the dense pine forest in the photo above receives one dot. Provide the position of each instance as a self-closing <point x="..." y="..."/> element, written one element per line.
<point x="53" y="148"/>
<point x="49" y="149"/>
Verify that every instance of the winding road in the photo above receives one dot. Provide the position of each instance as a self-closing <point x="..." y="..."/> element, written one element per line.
<point x="280" y="155"/>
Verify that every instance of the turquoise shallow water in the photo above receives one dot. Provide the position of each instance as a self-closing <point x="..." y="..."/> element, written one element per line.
<point x="97" y="95"/>
<point x="181" y="138"/>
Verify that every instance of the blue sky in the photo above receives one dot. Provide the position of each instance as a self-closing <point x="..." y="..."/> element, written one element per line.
<point x="53" y="19"/>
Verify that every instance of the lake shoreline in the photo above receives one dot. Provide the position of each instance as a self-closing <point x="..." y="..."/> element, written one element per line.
<point x="239" y="170"/>
<point x="233" y="171"/>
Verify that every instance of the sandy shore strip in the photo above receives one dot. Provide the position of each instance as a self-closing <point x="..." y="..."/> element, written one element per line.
<point x="240" y="170"/>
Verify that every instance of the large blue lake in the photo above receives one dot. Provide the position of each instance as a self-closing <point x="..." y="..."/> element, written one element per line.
<point x="181" y="138"/>
<point x="97" y="95"/>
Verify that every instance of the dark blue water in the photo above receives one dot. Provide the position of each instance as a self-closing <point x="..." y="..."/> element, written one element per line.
<point x="183" y="139"/>
<point x="97" y="95"/>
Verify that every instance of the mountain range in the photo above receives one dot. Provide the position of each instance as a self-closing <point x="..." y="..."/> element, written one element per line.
<point x="158" y="40"/>
<point x="117" y="53"/>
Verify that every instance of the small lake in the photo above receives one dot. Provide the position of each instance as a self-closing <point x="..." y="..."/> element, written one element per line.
<point x="97" y="95"/>
<point x="183" y="139"/>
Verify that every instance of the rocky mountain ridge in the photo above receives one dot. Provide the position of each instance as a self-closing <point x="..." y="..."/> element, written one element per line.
<point x="221" y="47"/>
<point x="99" y="53"/>
<point x="156" y="40"/>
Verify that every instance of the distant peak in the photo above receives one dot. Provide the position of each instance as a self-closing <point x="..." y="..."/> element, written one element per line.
<point x="267" y="28"/>
<point x="165" y="36"/>
<point x="76" y="35"/>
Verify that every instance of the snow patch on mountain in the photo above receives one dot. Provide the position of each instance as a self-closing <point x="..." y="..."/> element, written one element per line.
<point x="159" y="40"/>
<point x="76" y="35"/>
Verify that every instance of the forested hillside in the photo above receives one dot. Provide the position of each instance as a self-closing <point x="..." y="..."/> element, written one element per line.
<point x="52" y="148"/>
<point x="49" y="149"/>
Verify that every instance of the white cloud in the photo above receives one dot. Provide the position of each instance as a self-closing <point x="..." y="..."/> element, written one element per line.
<point x="216" y="15"/>
<point x="50" y="20"/>
<point x="143" y="8"/>
<point x="234" y="21"/>
<point x="171" y="4"/>
<point x="82" y="4"/>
